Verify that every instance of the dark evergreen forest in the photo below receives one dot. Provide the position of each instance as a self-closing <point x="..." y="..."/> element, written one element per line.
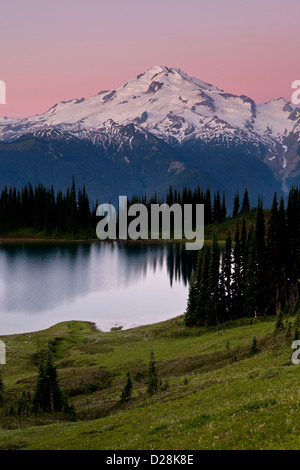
<point x="43" y="210"/>
<point x="257" y="273"/>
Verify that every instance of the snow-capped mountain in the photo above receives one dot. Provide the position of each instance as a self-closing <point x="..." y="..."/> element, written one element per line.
<point x="167" y="107"/>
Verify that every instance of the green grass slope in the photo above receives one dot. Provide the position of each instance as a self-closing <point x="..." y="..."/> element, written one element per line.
<point x="214" y="394"/>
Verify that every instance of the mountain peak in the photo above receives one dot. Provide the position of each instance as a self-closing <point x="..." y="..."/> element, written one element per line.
<point x="169" y="104"/>
<point x="166" y="106"/>
<point x="158" y="69"/>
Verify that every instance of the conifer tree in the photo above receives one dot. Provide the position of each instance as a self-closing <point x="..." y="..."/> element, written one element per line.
<point x="213" y="282"/>
<point x="224" y="209"/>
<point x="208" y="208"/>
<point x="288" y="334"/>
<point x="217" y="210"/>
<point x="254" y="348"/>
<point x="260" y="233"/>
<point x="190" y="316"/>
<point x="222" y="311"/>
<point x="283" y="253"/>
<point x="245" y="204"/>
<point x="251" y="278"/>
<point x="72" y="216"/>
<point x="243" y="237"/>
<point x="237" y="294"/>
<point x="236" y="204"/>
<point x="152" y="387"/>
<point x="199" y="273"/>
<point x="48" y="395"/>
<point x="227" y="272"/>
<point x="203" y="287"/>
<point x="279" y="323"/>
<point x="127" y="390"/>
<point x="273" y="275"/>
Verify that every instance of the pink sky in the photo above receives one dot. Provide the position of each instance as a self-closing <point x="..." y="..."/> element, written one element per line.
<point x="65" y="49"/>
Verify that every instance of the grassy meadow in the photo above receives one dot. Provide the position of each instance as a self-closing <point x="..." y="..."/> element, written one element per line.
<point x="214" y="393"/>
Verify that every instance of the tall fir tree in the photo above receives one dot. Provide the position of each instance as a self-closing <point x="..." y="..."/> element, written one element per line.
<point x="260" y="235"/>
<point x="127" y="390"/>
<point x="237" y="294"/>
<point x="227" y="273"/>
<point x="213" y="282"/>
<point x="203" y="287"/>
<point x="273" y="275"/>
<point x="152" y="386"/>
<point x="190" y="316"/>
<point x="251" y="278"/>
<point x="48" y="395"/>
<point x="246" y="203"/>
<point x="236" y="204"/>
<point x="224" y="209"/>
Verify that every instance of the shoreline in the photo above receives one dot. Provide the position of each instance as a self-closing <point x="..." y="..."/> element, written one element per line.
<point x="113" y="326"/>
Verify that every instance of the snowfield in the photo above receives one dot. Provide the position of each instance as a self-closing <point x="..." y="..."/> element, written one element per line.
<point x="174" y="107"/>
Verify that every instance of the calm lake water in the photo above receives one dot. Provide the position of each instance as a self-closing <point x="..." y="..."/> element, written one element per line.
<point x="109" y="284"/>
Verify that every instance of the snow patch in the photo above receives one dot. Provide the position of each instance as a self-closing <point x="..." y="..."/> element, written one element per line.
<point x="284" y="164"/>
<point x="169" y="104"/>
